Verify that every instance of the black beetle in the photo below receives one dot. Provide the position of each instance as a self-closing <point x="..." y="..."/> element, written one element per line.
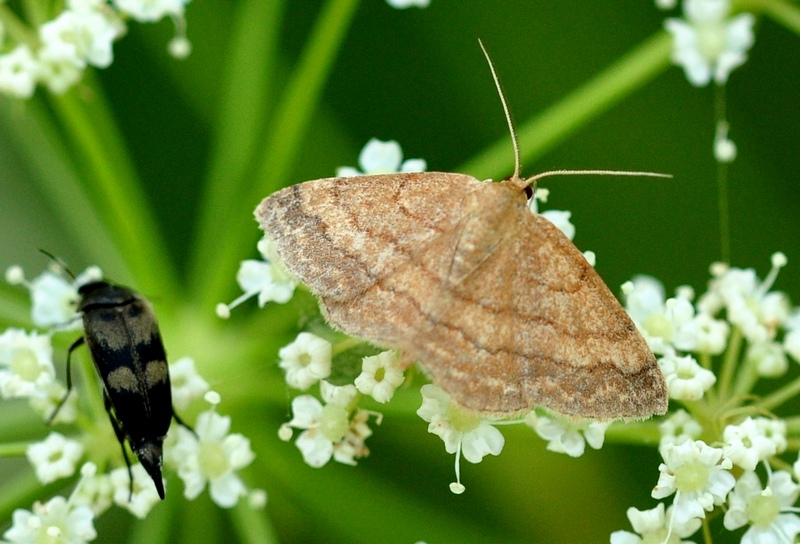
<point x="121" y="332"/>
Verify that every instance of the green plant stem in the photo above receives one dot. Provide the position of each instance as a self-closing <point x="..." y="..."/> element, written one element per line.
<point x="243" y="116"/>
<point x="291" y="120"/>
<point x="115" y="192"/>
<point x="14" y="27"/>
<point x="722" y="181"/>
<point x="36" y="12"/>
<point x="156" y="528"/>
<point x="780" y="396"/>
<point x="729" y="364"/>
<point x="792" y="425"/>
<point x="599" y="94"/>
<point x="252" y="526"/>
<point x="780" y="11"/>
<point x="13" y="449"/>
<point x="39" y="142"/>
<point x="643" y="433"/>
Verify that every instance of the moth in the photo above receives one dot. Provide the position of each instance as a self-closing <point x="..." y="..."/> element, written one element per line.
<point x="494" y="301"/>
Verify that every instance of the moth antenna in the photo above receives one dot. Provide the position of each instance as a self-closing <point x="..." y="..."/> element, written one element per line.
<point x="505" y="110"/>
<point x="537" y="177"/>
<point x="59" y="262"/>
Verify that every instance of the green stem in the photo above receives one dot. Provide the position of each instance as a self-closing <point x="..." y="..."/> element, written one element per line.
<point x="546" y="130"/>
<point x="792" y="425"/>
<point x="291" y="120"/>
<point x="17" y="30"/>
<point x="722" y="181"/>
<point x="36" y="12"/>
<point x="39" y="142"/>
<point x="643" y="433"/>
<point x="116" y="193"/>
<point x="730" y="363"/>
<point x="243" y="116"/>
<point x="746" y="378"/>
<point x="252" y="526"/>
<point x="770" y="402"/>
<point x="13" y="449"/>
<point x="782" y="12"/>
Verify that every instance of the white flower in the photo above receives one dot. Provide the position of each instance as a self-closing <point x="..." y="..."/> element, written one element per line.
<point x="187" y="384"/>
<point x="403" y="4"/>
<point x="561" y="219"/>
<point x="55" y="457"/>
<point x="379" y="157"/>
<point x="380" y="376"/>
<point x="26" y="363"/>
<point x="702" y="334"/>
<point x="698" y="475"/>
<point x="747" y="443"/>
<point x="212" y="457"/>
<point x="653" y="526"/>
<point x="678" y="428"/>
<point x="565" y="435"/>
<point x="144" y="497"/>
<point x="95" y="491"/>
<point x="54" y="300"/>
<point x="791" y="343"/>
<point x="707" y="44"/>
<point x="306" y="360"/>
<point x="670" y="324"/>
<point x="54" y="521"/>
<point x="80" y="37"/>
<point x="768" y="358"/>
<point x="644" y="297"/>
<point x="146" y="11"/>
<point x="769" y="512"/>
<point x="269" y="279"/>
<point x="724" y="147"/>
<point x="462" y="431"/>
<point x="179" y="47"/>
<point x="46" y="399"/>
<point x="686" y="379"/>
<point x="59" y="74"/>
<point x="748" y="304"/>
<point x="18" y="72"/>
<point x="329" y="430"/>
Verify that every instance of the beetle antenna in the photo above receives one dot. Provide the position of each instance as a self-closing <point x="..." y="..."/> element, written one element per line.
<point x="61" y="264"/>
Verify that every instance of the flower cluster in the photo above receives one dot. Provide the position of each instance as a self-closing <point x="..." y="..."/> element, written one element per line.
<point x="722" y="449"/>
<point x="709" y="44"/>
<point x="55" y="52"/>
<point x="209" y="456"/>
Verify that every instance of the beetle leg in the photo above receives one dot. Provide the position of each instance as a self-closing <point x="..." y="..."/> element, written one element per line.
<point x="75" y="345"/>
<point x="120" y="438"/>
<point x="182" y="423"/>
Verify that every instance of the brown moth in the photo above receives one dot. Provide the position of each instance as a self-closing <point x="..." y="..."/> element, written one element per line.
<point x="459" y="275"/>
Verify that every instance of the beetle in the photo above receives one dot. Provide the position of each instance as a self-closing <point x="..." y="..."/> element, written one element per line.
<point x="122" y="334"/>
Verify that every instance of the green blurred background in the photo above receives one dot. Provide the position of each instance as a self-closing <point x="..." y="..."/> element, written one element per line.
<point x="418" y="77"/>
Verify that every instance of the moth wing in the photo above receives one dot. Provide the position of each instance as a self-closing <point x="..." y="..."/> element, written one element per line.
<point x="533" y="324"/>
<point x="343" y="237"/>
